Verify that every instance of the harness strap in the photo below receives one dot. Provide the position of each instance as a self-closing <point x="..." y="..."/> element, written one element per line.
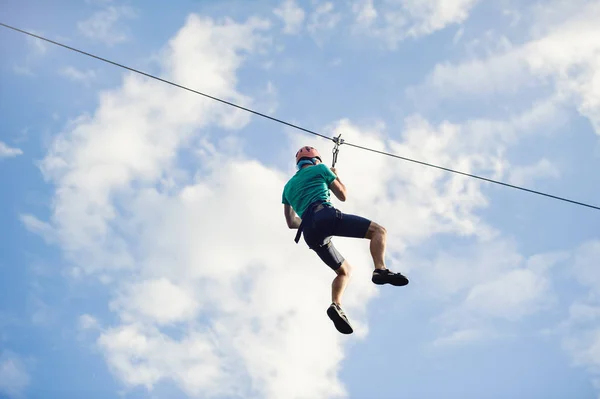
<point x="307" y="217"/>
<point x="299" y="233"/>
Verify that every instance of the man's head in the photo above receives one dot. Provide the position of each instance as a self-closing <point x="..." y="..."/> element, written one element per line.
<point x="307" y="156"/>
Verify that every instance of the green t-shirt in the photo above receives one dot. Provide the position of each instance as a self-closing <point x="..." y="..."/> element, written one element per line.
<point x="307" y="186"/>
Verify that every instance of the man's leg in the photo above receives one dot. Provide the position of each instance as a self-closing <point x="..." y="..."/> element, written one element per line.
<point x="381" y="275"/>
<point x="332" y="258"/>
<point x="378" y="235"/>
<point x="357" y="226"/>
<point x="338" y="286"/>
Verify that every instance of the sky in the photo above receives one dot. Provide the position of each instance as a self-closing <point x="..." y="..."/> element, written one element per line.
<point x="144" y="251"/>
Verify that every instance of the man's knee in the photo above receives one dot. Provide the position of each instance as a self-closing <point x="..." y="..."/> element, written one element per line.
<point x="376" y="229"/>
<point x="345" y="269"/>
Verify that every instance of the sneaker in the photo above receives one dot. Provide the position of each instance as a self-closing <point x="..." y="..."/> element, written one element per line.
<point x="340" y="321"/>
<point x="386" y="276"/>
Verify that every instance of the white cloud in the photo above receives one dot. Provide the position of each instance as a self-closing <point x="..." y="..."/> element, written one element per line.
<point x="158" y="299"/>
<point x="14" y="377"/>
<point x="455" y="271"/>
<point x="323" y="18"/>
<point x="88" y="322"/>
<point x="580" y="331"/>
<point x="103" y="26"/>
<point x="37" y="46"/>
<point x="93" y="166"/>
<point x="37" y="50"/>
<point x="461" y="337"/>
<point x="37" y="226"/>
<point x="142" y="356"/>
<point x="512" y="296"/>
<point x="85" y="77"/>
<point x="395" y="20"/>
<point x="292" y="16"/>
<point x="487" y="288"/>
<point x="267" y="99"/>
<point x="563" y="53"/>
<point x="585" y="265"/>
<point x="8" y="152"/>
<point x="503" y="74"/>
<point x="365" y="11"/>
<point x="433" y="15"/>
<point x="524" y="175"/>
<point x="216" y="276"/>
<point x="458" y="35"/>
<point x="127" y="212"/>
<point x="42" y="314"/>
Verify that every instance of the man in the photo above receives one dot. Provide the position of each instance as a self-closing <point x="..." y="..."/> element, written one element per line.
<point x="307" y="208"/>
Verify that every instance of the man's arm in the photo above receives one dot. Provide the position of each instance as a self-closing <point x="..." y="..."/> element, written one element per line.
<point x="337" y="187"/>
<point x="293" y="221"/>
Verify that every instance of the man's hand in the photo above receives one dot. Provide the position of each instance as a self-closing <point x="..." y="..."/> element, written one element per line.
<point x="334" y="171"/>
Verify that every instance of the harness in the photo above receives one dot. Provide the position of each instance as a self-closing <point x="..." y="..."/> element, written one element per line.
<point x="307" y="217"/>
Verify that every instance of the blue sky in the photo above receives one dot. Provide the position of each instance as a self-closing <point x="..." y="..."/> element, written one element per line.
<point x="144" y="249"/>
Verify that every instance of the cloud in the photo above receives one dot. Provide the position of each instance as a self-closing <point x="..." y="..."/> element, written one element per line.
<point x="107" y="161"/>
<point x="239" y="318"/>
<point x="487" y="288"/>
<point x="14" y="377"/>
<point x="562" y="54"/>
<point x="580" y="330"/>
<point x="9" y="152"/>
<point x="159" y="199"/>
<point x="267" y="99"/>
<point x="36" y="52"/>
<point x="461" y="337"/>
<point x="433" y="15"/>
<point x="365" y="12"/>
<point x="292" y="15"/>
<point x="159" y="300"/>
<point x="103" y="26"/>
<point x="524" y="175"/>
<point x="192" y="362"/>
<point x="88" y="322"/>
<point x="393" y="21"/>
<point x="37" y="226"/>
<point x="42" y="314"/>
<point x="529" y="291"/>
<point x="200" y="302"/>
<point x="37" y="47"/>
<point x="585" y="261"/>
<point x="72" y="73"/>
<point x="323" y="18"/>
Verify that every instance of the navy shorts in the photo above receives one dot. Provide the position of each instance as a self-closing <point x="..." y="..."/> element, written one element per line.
<point x="329" y="222"/>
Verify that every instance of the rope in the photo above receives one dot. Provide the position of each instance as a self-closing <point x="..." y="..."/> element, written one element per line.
<point x="336" y="140"/>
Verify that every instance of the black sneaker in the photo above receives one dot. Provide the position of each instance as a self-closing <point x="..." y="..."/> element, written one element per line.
<point x="386" y="276"/>
<point x="336" y="314"/>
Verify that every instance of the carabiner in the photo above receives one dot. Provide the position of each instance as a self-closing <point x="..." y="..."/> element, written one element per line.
<point x="338" y="141"/>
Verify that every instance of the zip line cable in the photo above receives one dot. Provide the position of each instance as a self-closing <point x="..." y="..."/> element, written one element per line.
<point x="475" y="176"/>
<point x="336" y="140"/>
<point x="162" y="80"/>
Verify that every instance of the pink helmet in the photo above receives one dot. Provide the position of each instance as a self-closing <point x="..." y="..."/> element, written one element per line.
<point x="307" y="152"/>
